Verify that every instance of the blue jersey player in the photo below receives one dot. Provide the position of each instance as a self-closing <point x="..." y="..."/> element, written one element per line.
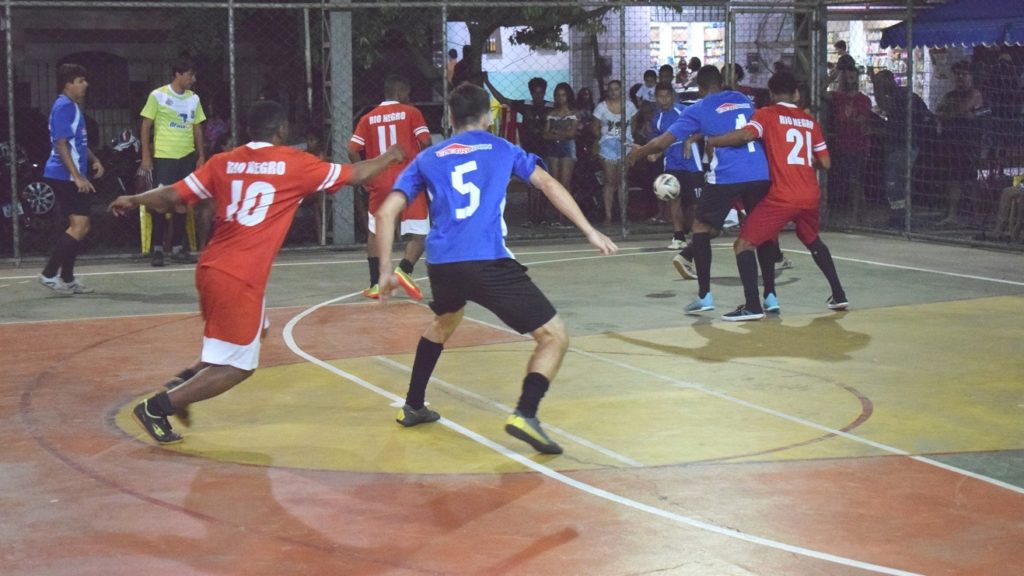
<point x="735" y="174"/>
<point x="465" y="179"/>
<point x="687" y="169"/>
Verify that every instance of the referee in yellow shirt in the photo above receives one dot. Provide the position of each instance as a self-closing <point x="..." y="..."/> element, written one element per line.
<point x="172" y="116"/>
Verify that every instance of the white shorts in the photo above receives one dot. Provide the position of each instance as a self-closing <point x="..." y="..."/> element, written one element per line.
<point x="241" y="356"/>
<point x="419" y="227"/>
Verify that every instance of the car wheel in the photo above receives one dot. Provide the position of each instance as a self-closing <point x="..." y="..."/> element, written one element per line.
<point x="39" y="196"/>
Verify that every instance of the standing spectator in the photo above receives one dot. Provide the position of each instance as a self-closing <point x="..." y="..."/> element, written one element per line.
<point x="738" y="74"/>
<point x="560" y="134"/>
<point x="735" y="174"/>
<point x="960" y="136"/>
<point x="531" y="132"/>
<point x="462" y="71"/>
<point x="893" y="101"/>
<point x="585" y="186"/>
<point x="67" y="172"/>
<point x="692" y="67"/>
<point x="233" y="270"/>
<point x="844" y="62"/>
<point x="453" y="59"/>
<point x="393" y="123"/>
<point x="666" y="74"/>
<point x="850" y="111"/>
<point x="688" y="171"/>
<point x="172" y="117"/>
<point x="608" y="128"/>
<point x="468" y="260"/>
<point x="794" y="195"/>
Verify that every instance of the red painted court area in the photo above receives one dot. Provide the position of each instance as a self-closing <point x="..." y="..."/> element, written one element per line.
<point x="879" y="441"/>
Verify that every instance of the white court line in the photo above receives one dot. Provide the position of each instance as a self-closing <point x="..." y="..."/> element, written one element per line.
<point x="507" y="410"/>
<point x="796" y="419"/>
<point x="571" y="482"/>
<point x="916" y="269"/>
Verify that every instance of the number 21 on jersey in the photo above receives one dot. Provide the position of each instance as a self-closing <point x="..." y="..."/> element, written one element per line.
<point x="801" y="141"/>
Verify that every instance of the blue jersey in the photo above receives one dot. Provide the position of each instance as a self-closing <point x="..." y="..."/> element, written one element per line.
<point x="67" y="123"/>
<point x="674" y="154"/>
<point x="717" y="114"/>
<point x="465" y="178"/>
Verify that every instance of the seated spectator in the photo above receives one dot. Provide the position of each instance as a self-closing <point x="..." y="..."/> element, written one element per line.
<point x="646" y="91"/>
<point x="1009" y="222"/>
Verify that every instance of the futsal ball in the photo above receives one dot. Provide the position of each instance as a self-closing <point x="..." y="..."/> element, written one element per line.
<point x="666" y="187"/>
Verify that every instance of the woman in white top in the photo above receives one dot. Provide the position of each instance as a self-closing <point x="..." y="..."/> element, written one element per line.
<point x="608" y="123"/>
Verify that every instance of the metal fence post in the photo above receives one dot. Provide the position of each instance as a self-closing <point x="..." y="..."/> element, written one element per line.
<point x="909" y="168"/>
<point x="623" y="164"/>
<point x="341" y="119"/>
<point x="233" y="88"/>
<point x="12" y="158"/>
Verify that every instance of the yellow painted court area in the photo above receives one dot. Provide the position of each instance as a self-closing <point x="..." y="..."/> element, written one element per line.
<point x="896" y="375"/>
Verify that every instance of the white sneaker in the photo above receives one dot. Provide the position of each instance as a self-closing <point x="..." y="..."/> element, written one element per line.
<point x="79" y="288"/>
<point x="56" y="284"/>
<point x="675" y="244"/>
<point x="686" y="268"/>
<point x="785" y="264"/>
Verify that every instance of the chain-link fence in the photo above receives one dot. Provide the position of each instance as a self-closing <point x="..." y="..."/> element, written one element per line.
<point x="567" y="81"/>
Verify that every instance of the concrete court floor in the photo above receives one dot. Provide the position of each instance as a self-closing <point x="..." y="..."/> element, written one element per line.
<point x="888" y="439"/>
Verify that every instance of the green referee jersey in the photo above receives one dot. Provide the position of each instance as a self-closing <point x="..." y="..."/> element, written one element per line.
<point x="173" y="116"/>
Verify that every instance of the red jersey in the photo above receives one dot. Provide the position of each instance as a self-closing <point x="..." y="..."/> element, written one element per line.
<point x="792" y="139"/>
<point x="388" y="124"/>
<point x="851" y="115"/>
<point x="256" y="189"/>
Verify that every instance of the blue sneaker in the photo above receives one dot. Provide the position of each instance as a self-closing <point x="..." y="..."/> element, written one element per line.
<point x="771" y="304"/>
<point x="700" y="304"/>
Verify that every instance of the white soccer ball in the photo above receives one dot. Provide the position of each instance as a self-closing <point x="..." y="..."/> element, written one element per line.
<point x="666" y="187"/>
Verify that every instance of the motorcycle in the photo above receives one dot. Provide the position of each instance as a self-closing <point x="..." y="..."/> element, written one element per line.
<point x="35" y="203"/>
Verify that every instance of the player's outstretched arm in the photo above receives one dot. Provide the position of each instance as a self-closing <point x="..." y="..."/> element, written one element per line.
<point x="654" y="146"/>
<point x="160" y="199"/>
<point x="367" y="169"/>
<point x="738" y="137"/>
<point x="385" y="219"/>
<point x="563" y="201"/>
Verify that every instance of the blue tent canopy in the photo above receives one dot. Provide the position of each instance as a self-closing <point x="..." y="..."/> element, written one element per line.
<point x="963" y="23"/>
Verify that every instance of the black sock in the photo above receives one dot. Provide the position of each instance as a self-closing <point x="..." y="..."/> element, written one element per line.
<point x="766" y="258"/>
<point x="67" y="267"/>
<point x="177" y="230"/>
<point x="702" y="261"/>
<point x="160" y="405"/>
<point x="687" y="251"/>
<point x="679" y="235"/>
<point x="65" y="244"/>
<point x="427" y="353"/>
<point x="156" y="236"/>
<point x="746" y="263"/>
<point x="534" y="387"/>
<point x="405" y="266"/>
<point x="823" y="258"/>
<point x="374" y="263"/>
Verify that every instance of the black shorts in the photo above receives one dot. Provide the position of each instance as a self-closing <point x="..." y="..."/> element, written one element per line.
<point x="501" y="286"/>
<point x="167" y="171"/>
<point x="716" y="200"/>
<point x="690" y="186"/>
<point x="70" y="199"/>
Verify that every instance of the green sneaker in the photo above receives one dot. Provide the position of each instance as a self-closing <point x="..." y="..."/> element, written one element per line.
<point x="409" y="416"/>
<point x="156" y="426"/>
<point x="528" y="430"/>
<point x="409" y="285"/>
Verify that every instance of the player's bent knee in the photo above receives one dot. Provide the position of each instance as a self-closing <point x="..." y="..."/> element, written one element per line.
<point x="553" y="332"/>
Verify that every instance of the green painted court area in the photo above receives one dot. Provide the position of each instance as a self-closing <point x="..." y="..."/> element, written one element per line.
<point x="884" y="440"/>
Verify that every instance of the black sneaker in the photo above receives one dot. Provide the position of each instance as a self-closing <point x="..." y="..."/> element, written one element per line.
<point x="529" y="430"/>
<point x="183" y="257"/>
<point x="156" y="426"/>
<point x="743" y="314"/>
<point x="834" y="303"/>
<point x="157" y="259"/>
<point x="408" y="416"/>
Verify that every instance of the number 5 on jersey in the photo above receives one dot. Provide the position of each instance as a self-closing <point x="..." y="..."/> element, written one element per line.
<point x="465" y="188"/>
